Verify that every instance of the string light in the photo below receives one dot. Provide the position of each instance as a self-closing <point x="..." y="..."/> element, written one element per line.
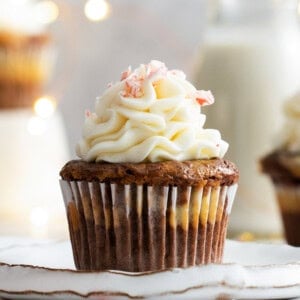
<point x="97" y="10"/>
<point x="44" y="107"/>
<point x="46" y="11"/>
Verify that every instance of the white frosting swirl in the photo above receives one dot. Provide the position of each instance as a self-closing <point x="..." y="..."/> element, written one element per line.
<point x="290" y="136"/>
<point x="151" y="115"/>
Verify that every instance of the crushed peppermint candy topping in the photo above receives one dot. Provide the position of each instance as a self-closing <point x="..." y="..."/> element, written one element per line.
<point x="204" y="97"/>
<point x="133" y="88"/>
<point x="154" y="71"/>
<point x="178" y="73"/>
<point x="89" y="114"/>
<point x="126" y="73"/>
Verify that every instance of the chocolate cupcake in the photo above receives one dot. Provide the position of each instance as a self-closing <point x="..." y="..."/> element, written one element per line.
<point x="151" y="190"/>
<point x="283" y="166"/>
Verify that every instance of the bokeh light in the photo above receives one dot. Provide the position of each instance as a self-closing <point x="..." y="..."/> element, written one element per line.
<point x="97" y="10"/>
<point x="39" y="217"/>
<point x="46" y="11"/>
<point x="44" y="107"/>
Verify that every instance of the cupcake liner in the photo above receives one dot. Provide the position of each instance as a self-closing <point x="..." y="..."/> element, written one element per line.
<point x="288" y="197"/>
<point x="146" y="228"/>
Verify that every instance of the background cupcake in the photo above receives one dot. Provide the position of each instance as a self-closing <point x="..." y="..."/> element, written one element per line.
<point x="283" y="166"/>
<point x="151" y="190"/>
<point x="25" y="55"/>
<point x="31" y="126"/>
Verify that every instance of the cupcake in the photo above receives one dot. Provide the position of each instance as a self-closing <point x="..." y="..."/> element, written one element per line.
<point x="151" y="190"/>
<point x="25" y="55"/>
<point x="283" y="166"/>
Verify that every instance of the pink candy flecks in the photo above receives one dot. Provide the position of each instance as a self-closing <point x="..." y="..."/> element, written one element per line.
<point x="155" y="70"/>
<point x="204" y="97"/>
<point x="126" y="73"/>
<point x="134" y="79"/>
<point x="87" y="113"/>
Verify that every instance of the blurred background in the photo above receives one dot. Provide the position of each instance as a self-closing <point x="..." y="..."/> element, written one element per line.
<point x="57" y="56"/>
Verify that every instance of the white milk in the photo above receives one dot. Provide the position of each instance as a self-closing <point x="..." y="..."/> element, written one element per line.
<point x="250" y="71"/>
<point x="32" y="152"/>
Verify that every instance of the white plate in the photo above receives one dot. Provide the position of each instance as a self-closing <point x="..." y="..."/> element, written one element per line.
<point x="45" y="270"/>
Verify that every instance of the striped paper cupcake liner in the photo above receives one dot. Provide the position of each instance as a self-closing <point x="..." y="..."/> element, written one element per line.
<point x="146" y="228"/>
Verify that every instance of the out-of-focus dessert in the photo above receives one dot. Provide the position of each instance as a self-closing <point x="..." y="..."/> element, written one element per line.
<point x="31" y="127"/>
<point x="25" y="56"/>
<point x="283" y="166"/>
<point x="151" y="190"/>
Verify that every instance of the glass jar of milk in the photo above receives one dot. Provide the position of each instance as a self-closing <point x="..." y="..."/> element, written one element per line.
<point x="250" y="60"/>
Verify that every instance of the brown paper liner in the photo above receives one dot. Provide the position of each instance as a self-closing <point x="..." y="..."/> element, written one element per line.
<point x="288" y="197"/>
<point x="146" y="228"/>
